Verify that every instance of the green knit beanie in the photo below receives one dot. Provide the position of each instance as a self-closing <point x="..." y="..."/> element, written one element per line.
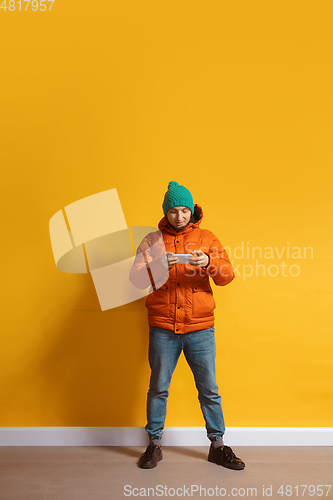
<point x="177" y="196"/>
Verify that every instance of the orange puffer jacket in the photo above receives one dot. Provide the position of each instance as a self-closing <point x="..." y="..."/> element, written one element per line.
<point x="180" y="299"/>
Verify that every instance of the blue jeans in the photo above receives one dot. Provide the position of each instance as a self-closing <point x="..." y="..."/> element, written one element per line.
<point x="199" y="349"/>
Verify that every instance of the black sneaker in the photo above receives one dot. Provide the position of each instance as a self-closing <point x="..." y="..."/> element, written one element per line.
<point x="150" y="457"/>
<point x="223" y="455"/>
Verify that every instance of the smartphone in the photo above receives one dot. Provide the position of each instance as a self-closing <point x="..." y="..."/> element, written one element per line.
<point x="183" y="257"/>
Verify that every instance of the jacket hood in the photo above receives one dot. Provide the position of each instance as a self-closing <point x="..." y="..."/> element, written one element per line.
<point x="195" y="221"/>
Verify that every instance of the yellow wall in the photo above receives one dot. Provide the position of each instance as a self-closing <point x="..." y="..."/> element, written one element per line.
<point x="232" y="100"/>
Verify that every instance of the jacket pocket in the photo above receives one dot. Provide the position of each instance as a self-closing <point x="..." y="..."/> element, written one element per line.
<point x="203" y="303"/>
<point x="158" y="302"/>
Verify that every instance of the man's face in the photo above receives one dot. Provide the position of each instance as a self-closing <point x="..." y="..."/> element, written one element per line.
<point x="179" y="217"/>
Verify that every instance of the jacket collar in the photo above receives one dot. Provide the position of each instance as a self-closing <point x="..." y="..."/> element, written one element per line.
<point x="195" y="221"/>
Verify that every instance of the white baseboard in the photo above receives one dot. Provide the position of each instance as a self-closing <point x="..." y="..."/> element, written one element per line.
<point x="173" y="436"/>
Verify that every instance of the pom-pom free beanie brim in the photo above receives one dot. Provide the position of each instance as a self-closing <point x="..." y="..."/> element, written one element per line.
<point x="177" y="196"/>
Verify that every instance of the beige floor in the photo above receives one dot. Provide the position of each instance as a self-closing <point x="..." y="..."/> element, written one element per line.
<point x="91" y="472"/>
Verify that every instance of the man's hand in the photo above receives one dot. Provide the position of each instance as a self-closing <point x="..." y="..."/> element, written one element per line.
<point x="168" y="260"/>
<point x="201" y="260"/>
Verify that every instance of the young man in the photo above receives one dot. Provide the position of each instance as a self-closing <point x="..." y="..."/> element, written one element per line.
<point x="181" y="317"/>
